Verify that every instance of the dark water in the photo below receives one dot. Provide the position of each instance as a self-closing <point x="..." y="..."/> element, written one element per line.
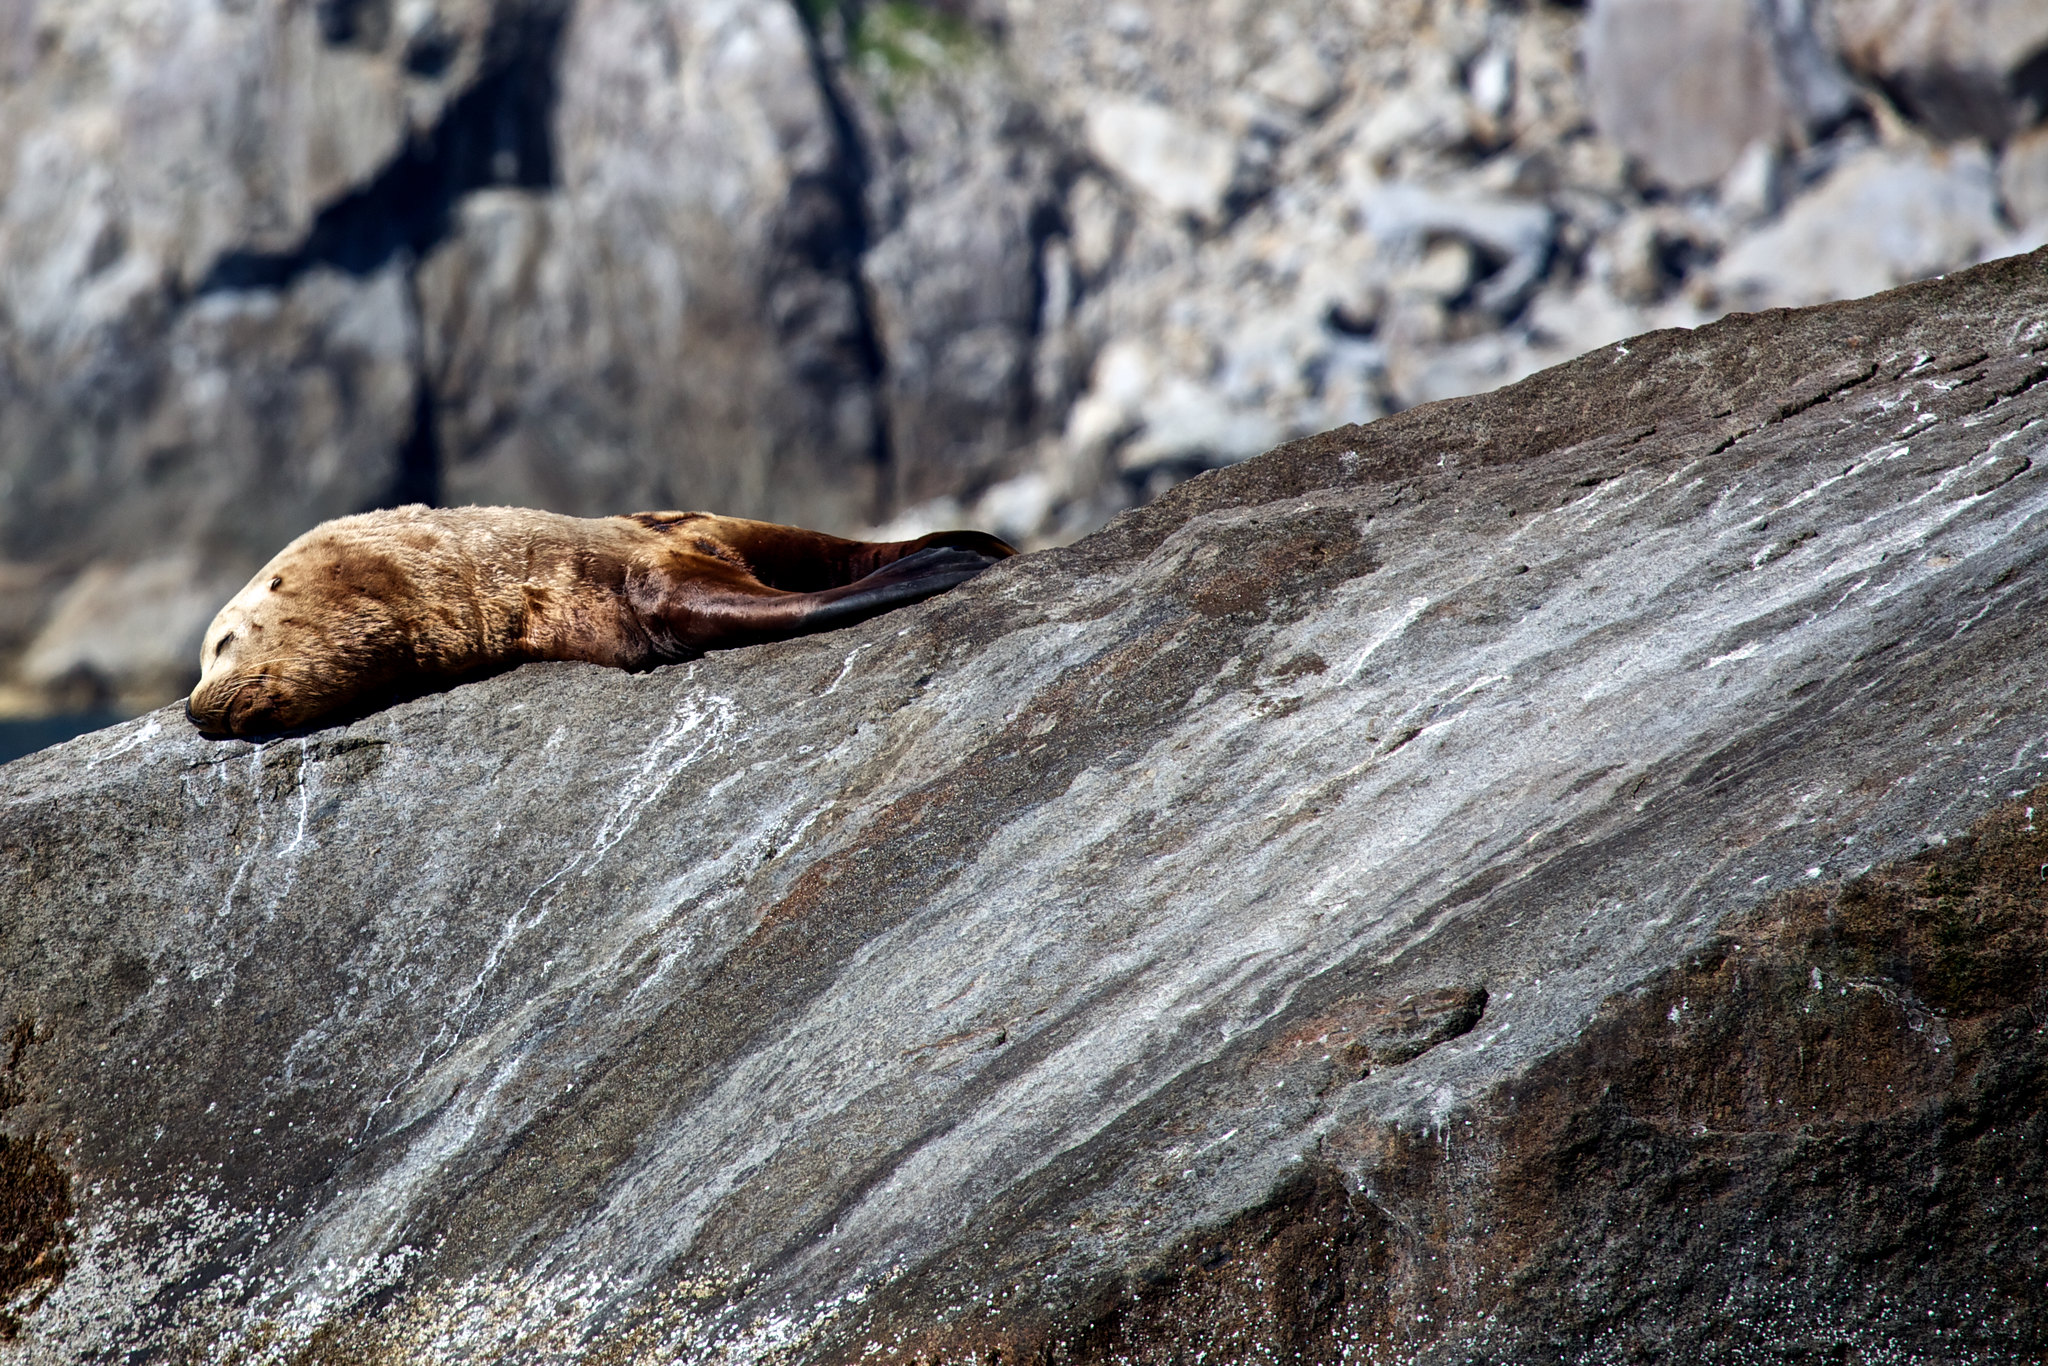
<point x="26" y="737"/>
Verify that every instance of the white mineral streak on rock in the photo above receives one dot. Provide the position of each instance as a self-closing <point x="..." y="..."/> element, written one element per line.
<point x="150" y="729"/>
<point x="699" y="727"/>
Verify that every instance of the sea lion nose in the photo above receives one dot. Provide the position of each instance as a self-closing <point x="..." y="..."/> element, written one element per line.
<point x="203" y="710"/>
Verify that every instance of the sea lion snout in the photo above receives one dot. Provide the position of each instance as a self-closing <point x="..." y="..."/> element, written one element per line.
<point x="238" y="705"/>
<point x="317" y="627"/>
<point x="210" y="708"/>
<point x="235" y="695"/>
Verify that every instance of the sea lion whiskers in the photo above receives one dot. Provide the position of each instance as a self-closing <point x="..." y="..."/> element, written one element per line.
<point x="214" y="699"/>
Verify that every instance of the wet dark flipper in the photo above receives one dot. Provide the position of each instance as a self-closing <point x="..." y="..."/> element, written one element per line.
<point x="917" y="576"/>
<point x="793" y="560"/>
<point x="700" y="603"/>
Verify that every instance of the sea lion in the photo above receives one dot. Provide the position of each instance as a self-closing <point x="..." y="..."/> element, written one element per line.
<point x="363" y="610"/>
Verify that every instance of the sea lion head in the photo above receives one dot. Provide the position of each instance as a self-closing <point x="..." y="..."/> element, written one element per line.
<point x="321" y="627"/>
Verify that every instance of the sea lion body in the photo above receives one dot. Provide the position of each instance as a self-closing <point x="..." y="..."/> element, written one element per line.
<point x="384" y="604"/>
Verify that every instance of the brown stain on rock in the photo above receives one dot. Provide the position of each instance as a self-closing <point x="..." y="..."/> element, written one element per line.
<point x="1823" y="1137"/>
<point x="35" y="1240"/>
<point x="1264" y="565"/>
<point x="35" y="1203"/>
<point x="1360" y="1033"/>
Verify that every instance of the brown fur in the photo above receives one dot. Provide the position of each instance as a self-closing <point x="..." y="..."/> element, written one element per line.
<point x="384" y="604"/>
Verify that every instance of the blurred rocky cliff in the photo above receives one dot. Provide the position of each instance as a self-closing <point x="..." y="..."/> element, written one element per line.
<point x="1013" y="262"/>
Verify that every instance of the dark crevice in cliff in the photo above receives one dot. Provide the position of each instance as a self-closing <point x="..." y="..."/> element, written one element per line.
<point x="418" y="479"/>
<point x="496" y="133"/>
<point x="1055" y="293"/>
<point x="417" y="475"/>
<point x="824" y="231"/>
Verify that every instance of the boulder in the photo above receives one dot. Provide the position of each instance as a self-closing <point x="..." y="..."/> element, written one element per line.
<point x="139" y="623"/>
<point x="968" y="286"/>
<point x="2023" y="179"/>
<point x="1180" y="166"/>
<point x="1514" y="236"/>
<point x="1877" y="219"/>
<point x="1962" y="68"/>
<point x="672" y="316"/>
<point x="1687" y="86"/>
<point x="1546" y="875"/>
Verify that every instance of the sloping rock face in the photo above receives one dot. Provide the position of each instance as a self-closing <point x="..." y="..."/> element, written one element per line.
<point x="1549" y="876"/>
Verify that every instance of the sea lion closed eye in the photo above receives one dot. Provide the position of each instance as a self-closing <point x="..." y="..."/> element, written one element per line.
<point x="385" y="604"/>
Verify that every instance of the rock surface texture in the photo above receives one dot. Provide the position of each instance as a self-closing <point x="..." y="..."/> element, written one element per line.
<point x="853" y="263"/>
<point x="1547" y="876"/>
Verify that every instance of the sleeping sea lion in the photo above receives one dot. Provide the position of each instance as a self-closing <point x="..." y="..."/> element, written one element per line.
<point x="364" y="610"/>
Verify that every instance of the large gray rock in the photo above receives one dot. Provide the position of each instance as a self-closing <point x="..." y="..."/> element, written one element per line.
<point x="1878" y="219"/>
<point x="1388" y="896"/>
<point x="963" y="182"/>
<point x="1688" y="85"/>
<point x="1965" y="68"/>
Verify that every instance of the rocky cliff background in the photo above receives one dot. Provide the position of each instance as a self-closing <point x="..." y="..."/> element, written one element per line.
<point x="1019" y="263"/>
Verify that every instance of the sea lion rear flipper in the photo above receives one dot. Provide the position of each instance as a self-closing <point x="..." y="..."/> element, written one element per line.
<point x="917" y="576"/>
<point x="798" y="561"/>
<point x="702" y="604"/>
